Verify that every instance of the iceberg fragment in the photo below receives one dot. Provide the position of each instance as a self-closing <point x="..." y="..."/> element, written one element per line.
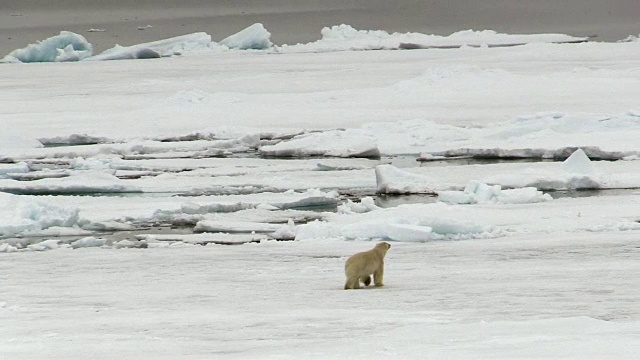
<point x="578" y="163"/>
<point x="254" y="37"/>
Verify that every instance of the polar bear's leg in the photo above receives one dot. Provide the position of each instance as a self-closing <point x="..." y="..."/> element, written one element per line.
<point x="366" y="280"/>
<point x="352" y="283"/>
<point x="377" y="276"/>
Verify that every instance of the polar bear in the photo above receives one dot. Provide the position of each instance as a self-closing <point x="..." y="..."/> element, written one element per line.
<point x="360" y="266"/>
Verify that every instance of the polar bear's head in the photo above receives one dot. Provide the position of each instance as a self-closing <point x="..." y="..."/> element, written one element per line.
<point x="383" y="246"/>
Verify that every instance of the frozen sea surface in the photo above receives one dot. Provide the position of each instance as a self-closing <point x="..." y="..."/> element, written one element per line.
<point x="108" y="168"/>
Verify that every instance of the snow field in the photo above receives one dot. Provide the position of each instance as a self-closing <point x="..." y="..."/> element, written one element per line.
<point x="547" y="296"/>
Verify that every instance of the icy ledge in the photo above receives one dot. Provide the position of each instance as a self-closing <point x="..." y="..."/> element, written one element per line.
<point x="345" y="38"/>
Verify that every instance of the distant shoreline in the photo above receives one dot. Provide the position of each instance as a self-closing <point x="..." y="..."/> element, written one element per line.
<point x="29" y="21"/>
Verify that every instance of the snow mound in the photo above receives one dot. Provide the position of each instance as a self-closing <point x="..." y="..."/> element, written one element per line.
<point x="20" y="214"/>
<point x="478" y="193"/>
<point x="168" y="47"/>
<point x="334" y="143"/>
<point x="253" y="37"/>
<point x="345" y="37"/>
<point x="391" y="180"/>
<point x="67" y="46"/>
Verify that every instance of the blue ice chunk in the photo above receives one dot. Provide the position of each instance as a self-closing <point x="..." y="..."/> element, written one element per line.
<point x="67" y="46"/>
